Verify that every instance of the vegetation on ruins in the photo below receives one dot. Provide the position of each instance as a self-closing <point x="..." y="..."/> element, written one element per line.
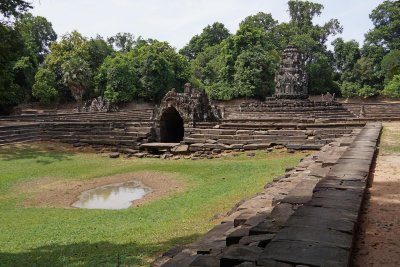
<point x="31" y="235"/>
<point x="226" y="65"/>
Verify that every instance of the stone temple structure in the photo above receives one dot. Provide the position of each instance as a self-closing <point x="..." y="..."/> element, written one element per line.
<point x="291" y="80"/>
<point x="178" y="109"/>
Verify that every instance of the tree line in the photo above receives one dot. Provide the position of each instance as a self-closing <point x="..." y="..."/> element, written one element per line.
<point x="38" y="66"/>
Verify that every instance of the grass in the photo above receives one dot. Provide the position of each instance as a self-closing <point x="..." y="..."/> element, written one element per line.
<point x="390" y="140"/>
<point x="133" y="237"/>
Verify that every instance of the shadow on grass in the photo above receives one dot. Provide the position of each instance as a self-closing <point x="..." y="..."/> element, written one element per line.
<point x="92" y="254"/>
<point x="45" y="155"/>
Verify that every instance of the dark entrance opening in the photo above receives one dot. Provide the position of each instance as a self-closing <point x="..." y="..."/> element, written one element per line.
<point x="171" y="126"/>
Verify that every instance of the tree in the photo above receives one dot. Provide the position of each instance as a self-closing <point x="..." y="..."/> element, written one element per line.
<point x="386" y="20"/>
<point x="44" y="88"/>
<point x="346" y="54"/>
<point x="211" y="35"/>
<point x="70" y="45"/>
<point x="392" y="89"/>
<point x="118" y="79"/>
<point x="254" y="73"/>
<point x="11" y="50"/>
<point x="38" y="34"/>
<point x="76" y="76"/>
<point x="390" y="65"/>
<point x="98" y="51"/>
<point x="13" y="8"/>
<point x="160" y="69"/>
<point x="320" y="75"/>
<point x="311" y="40"/>
<point x="122" y="41"/>
<point x="302" y="13"/>
<point x="261" y="20"/>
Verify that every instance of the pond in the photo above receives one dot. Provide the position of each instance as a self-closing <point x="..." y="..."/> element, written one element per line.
<point x="113" y="196"/>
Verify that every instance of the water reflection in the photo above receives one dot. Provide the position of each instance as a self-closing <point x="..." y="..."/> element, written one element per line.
<point x="113" y="196"/>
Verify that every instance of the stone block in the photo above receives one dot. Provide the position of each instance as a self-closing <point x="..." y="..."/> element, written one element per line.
<point x="205" y="261"/>
<point x="237" y="254"/>
<point x="303" y="252"/>
<point x="235" y="236"/>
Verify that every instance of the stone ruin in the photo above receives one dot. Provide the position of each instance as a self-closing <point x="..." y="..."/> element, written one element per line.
<point x="99" y="104"/>
<point x="291" y="80"/>
<point x="192" y="105"/>
<point x="179" y="109"/>
<point x="291" y="88"/>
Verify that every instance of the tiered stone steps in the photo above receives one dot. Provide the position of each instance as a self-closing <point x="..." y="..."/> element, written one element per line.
<point x="11" y="134"/>
<point x="126" y="129"/>
<point x="119" y="134"/>
<point x="376" y="111"/>
<point x="295" y="127"/>
<point x="131" y="115"/>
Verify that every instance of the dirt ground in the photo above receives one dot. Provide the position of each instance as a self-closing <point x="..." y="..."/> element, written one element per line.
<point x="379" y="240"/>
<point x="53" y="192"/>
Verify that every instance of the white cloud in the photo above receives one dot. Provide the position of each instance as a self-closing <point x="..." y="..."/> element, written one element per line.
<point x="176" y="21"/>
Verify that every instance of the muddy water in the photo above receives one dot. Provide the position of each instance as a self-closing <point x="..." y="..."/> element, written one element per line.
<point x="112" y="197"/>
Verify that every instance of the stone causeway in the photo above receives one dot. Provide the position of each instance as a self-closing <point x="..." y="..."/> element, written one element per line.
<point x="308" y="217"/>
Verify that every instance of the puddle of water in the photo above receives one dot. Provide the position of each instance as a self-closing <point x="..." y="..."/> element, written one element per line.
<point x="112" y="197"/>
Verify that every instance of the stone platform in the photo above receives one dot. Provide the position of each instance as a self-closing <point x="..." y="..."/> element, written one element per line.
<point x="308" y="217"/>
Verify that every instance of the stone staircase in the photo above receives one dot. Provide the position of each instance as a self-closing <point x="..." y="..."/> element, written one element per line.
<point x="375" y="111"/>
<point x="262" y="124"/>
<point x="123" y="130"/>
<point x="131" y="115"/>
<point x="101" y="134"/>
<point x="18" y="133"/>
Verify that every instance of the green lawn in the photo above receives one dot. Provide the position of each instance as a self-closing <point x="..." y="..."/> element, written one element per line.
<point x="390" y="140"/>
<point x="133" y="237"/>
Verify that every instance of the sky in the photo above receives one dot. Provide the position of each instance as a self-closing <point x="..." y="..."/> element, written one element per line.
<point x="176" y="21"/>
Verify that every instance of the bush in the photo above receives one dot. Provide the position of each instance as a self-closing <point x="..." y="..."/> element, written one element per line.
<point x="349" y="89"/>
<point x="392" y="89"/>
<point x="367" y="91"/>
<point x="44" y="87"/>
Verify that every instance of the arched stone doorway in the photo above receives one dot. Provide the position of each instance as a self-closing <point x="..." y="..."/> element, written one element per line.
<point x="171" y="126"/>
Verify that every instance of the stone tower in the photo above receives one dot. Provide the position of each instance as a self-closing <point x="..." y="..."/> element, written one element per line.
<point x="291" y="80"/>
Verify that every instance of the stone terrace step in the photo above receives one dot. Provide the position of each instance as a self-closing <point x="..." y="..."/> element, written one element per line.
<point x="133" y="115"/>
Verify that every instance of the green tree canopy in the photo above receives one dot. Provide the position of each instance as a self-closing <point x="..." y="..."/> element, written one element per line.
<point x="38" y="34"/>
<point x="77" y="77"/>
<point x="386" y="19"/>
<point x="210" y="36"/>
<point x="392" y="89"/>
<point x="44" y="87"/>
<point x="391" y="65"/>
<point x="13" y="8"/>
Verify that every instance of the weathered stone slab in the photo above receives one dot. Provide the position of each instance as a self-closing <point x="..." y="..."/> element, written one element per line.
<point x="281" y="213"/>
<point x="307" y="253"/>
<point x="316" y="221"/>
<point x="235" y="236"/>
<point x="338" y="203"/>
<point x="263" y="240"/>
<point x="302" y="193"/>
<point x="266" y="227"/>
<point x="327" y="213"/>
<point x="180" y="149"/>
<point x="320" y="235"/>
<point x="183" y="259"/>
<point x="237" y="254"/>
<point x="205" y="261"/>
